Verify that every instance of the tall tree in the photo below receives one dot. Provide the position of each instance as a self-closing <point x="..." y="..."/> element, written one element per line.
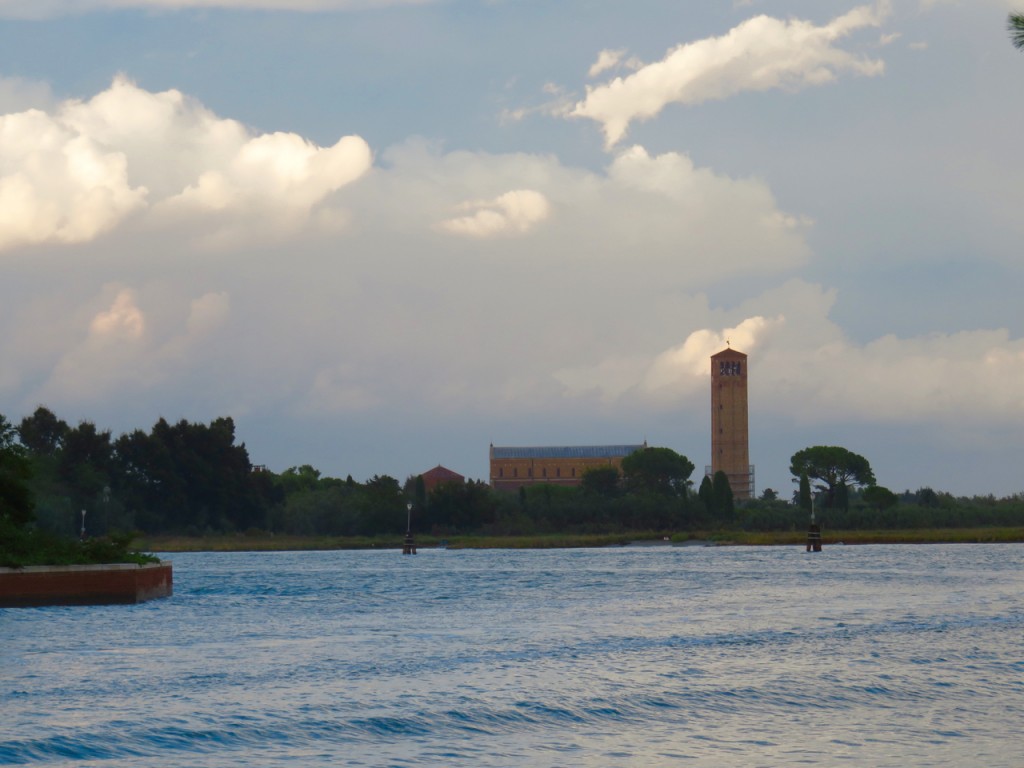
<point x="192" y="476"/>
<point x="725" y="509"/>
<point x="834" y="467"/>
<point x="42" y="433"/>
<point x="804" y="498"/>
<point x="1015" y="23"/>
<point x="380" y="506"/>
<point x="84" y="464"/>
<point x="16" y="504"/>
<point x="706" y="494"/>
<point x="298" y="479"/>
<point x="657" y="470"/>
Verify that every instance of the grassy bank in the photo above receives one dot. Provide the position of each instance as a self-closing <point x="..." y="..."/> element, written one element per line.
<point x="271" y="543"/>
<point x="279" y="543"/>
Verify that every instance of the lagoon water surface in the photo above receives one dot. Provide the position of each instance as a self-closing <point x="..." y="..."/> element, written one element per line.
<point x="637" y="656"/>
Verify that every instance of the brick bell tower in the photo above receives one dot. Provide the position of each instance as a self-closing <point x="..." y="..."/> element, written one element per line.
<point x="730" y="450"/>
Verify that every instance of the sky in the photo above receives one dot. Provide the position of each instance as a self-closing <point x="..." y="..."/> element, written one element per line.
<point x="383" y="235"/>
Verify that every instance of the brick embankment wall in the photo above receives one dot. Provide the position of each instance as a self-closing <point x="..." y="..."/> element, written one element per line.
<point x="84" y="584"/>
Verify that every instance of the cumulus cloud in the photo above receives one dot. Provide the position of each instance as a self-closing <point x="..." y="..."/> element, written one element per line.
<point x="948" y="378"/>
<point x="122" y="322"/>
<point x="320" y="325"/>
<point x="686" y="365"/>
<point x="514" y="213"/>
<point x="603" y="271"/>
<point x="660" y="210"/>
<point x="672" y="374"/>
<point x="673" y="176"/>
<point x="106" y="357"/>
<point x="82" y="169"/>
<point x="759" y="54"/>
<point x="804" y="367"/>
<point x="122" y="350"/>
<point x="58" y="185"/>
<point x="606" y="60"/>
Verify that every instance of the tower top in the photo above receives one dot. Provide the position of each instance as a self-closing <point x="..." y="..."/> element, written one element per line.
<point x="730" y="354"/>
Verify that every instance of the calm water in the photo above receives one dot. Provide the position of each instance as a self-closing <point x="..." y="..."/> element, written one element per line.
<point x="639" y="656"/>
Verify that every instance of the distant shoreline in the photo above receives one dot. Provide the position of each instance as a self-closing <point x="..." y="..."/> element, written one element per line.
<point x="264" y="542"/>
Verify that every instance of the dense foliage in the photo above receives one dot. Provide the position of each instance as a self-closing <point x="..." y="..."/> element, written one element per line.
<point x="22" y="545"/>
<point x="194" y="479"/>
<point x="16" y="504"/>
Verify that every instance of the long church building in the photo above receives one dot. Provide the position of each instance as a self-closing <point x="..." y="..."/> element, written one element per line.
<point x="514" y="467"/>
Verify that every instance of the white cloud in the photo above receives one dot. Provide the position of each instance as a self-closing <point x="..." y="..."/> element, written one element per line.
<point x="660" y="211"/>
<point x="758" y="54"/>
<point x="514" y="213"/>
<point x="332" y="325"/>
<point x="671" y="375"/>
<point x="122" y="351"/>
<point x="80" y="171"/>
<point x="57" y="185"/>
<point x="107" y="357"/>
<point x="949" y="378"/>
<point x="686" y="366"/>
<point x="122" y="322"/>
<point x="803" y="367"/>
<point x="486" y="319"/>
<point x="606" y="59"/>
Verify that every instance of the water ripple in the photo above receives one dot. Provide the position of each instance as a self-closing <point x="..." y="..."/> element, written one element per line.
<point x="618" y="658"/>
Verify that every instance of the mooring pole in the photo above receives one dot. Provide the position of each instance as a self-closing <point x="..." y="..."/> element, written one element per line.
<point x="813" y="532"/>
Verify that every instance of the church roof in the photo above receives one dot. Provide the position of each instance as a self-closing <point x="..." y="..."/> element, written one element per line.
<point x="564" y="451"/>
<point x="442" y="474"/>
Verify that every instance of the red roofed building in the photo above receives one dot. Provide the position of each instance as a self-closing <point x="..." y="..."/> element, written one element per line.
<point x="439" y="475"/>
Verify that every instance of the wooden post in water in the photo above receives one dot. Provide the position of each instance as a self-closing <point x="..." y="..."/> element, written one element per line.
<point x="814" y="538"/>
<point x="813" y="532"/>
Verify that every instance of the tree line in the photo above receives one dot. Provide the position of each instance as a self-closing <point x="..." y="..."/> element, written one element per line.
<point x="191" y="478"/>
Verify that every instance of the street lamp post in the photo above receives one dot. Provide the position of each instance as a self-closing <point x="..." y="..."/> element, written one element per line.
<point x="813" y="532"/>
<point x="409" y="545"/>
<point x="81" y="534"/>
